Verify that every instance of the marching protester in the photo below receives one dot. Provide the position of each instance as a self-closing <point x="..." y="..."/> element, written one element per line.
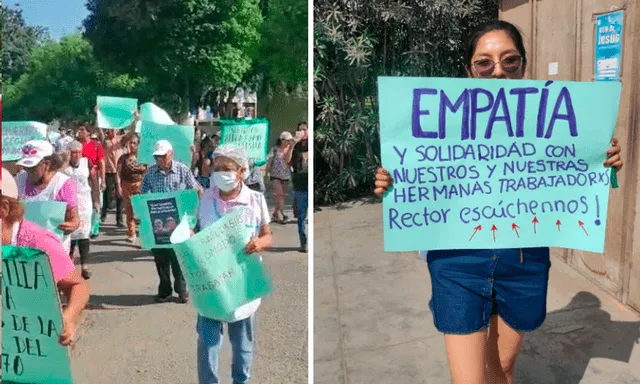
<point x="42" y="180"/>
<point x="113" y="144"/>
<point x="92" y="150"/>
<point x="78" y="169"/>
<point x="300" y="179"/>
<point x="19" y="232"/>
<point x="280" y="173"/>
<point x="129" y="181"/>
<point x="228" y="192"/>
<point x="168" y="175"/>
<point x="201" y="163"/>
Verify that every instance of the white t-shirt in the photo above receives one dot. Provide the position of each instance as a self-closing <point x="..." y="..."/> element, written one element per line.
<point x="212" y="208"/>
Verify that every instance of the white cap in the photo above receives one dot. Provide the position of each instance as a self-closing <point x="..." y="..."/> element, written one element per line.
<point x="33" y="152"/>
<point x="162" y="147"/>
<point x="9" y="187"/>
<point x="235" y="153"/>
<point x="286" y="136"/>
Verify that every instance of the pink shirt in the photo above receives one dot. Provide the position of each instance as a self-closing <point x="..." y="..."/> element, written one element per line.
<point x="31" y="235"/>
<point x="67" y="194"/>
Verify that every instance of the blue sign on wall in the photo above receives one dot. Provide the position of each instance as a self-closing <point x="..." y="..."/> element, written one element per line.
<point x="608" y="50"/>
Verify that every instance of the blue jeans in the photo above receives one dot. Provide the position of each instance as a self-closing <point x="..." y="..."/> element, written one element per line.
<point x="302" y="205"/>
<point x="210" y="335"/>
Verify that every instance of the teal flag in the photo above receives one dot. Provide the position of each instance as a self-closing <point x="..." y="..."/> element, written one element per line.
<point x="220" y="276"/>
<point x="180" y="137"/>
<point x="31" y="320"/>
<point x="488" y="164"/>
<point x="47" y="214"/>
<point x="160" y="213"/>
<point x="153" y="113"/>
<point x="252" y="135"/>
<point x="16" y="133"/>
<point x="116" y="112"/>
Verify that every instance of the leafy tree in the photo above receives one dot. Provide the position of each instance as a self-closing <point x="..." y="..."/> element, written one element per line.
<point x="18" y="39"/>
<point x="284" y="46"/>
<point x="187" y="47"/>
<point x="355" y="42"/>
<point x="62" y="81"/>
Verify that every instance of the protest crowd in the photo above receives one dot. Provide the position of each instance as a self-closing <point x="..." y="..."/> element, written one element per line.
<point x="58" y="193"/>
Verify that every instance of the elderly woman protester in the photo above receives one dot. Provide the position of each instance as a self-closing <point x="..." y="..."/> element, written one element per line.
<point x="42" y="180"/>
<point x="19" y="232"/>
<point x="79" y="171"/>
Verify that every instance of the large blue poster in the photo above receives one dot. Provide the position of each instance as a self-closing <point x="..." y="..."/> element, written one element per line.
<point x="488" y="164"/>
<point x="608" y="50"/>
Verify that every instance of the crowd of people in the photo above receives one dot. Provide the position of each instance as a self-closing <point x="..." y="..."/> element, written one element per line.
<point x="89" y="170"/>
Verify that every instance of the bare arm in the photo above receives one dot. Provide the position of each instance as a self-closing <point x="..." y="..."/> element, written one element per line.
<point x="71" y="221"/>
<point x="77" y="291"/>
<point x="132" y="130"/>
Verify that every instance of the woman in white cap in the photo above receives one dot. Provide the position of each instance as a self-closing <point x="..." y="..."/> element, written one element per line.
<point x="79" y="171"/>
<point x="280" y="173"/>
<point x="19" y="232"/>
<point x="228" y="192"/>
<point x="41" y="180"/>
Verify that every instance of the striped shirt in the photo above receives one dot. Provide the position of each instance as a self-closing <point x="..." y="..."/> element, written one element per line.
<point x="178" y="178"/>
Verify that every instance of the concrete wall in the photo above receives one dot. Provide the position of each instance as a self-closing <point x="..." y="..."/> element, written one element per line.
<point x="563" y="31"/>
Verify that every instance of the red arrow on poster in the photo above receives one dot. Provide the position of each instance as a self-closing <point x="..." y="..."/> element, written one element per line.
<point x="535" y="224"/>
<point x="478" y="228"/>
<point x="558" y="223"/>
<point x="581" y="224"/>
<point x="515" y="227"/>
<point x="494" y="229"/>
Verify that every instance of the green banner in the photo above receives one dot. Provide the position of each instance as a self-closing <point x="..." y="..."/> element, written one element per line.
<point x="31" y="320"/>
<point x="252" y="135"/>
<point x="220" y="276"/>
<point x="160" y="213"/>
<point x="16" y="133"/>
<point x="47" y="214"/>
<point x="116" y="112"/>
<point x="180" y="137"/>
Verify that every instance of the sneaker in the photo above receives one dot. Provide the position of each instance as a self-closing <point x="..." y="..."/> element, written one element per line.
<point x="94" y="236"/>
<point x="303" y="250"/>
<point x="132" y="239"/>
<point x="119" y="225"/>
<point x="86" y="273"/>
<point x="183" y="299"/>
<point x="162" y="299"/>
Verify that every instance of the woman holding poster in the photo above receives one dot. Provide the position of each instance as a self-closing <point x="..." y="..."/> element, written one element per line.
<point x="228" y="192"/>
<point x="22" y="233"/>
<point x="473" y="290"/>
<point x="41" y="180"/>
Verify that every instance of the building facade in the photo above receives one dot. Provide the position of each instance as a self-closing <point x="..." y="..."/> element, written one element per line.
<point x="562" y="44"/>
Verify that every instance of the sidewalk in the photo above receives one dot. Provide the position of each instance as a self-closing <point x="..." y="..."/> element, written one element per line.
<point x="373" y="324"/>
<point x="126" y="338"/>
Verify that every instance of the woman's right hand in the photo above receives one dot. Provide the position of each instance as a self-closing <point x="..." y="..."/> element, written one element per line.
<point x="383" y="182"/>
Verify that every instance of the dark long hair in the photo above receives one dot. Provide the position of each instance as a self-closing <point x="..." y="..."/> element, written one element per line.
<point x="490" y="26"/>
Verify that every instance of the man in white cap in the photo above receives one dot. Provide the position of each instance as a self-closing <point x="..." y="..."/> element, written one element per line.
<point x="168" y="175"/>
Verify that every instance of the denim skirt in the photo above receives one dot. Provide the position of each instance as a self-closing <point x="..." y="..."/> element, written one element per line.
<point x="470" y="286"/>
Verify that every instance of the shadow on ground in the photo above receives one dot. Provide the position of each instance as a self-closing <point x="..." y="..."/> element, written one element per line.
<point x="571" y="337"/>
<point x="106" y="301"/>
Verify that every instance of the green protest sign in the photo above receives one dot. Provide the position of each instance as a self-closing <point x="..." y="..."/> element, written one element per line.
<point x="47" y="214"/>
<point x="252" y="135"/>
<point x="31" y="320"/>
<point x="153" y="113"/>
<point x="220" y="276"/>
<point x="116" y="112"/>
<point x="16" y="133"/>
<point x="160" y="213"/>
<point x="180" y="137"/>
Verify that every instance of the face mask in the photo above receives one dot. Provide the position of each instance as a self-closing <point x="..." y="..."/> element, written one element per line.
<point x="226" y="181"/>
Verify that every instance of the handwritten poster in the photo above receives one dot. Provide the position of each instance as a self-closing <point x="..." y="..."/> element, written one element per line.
<point x="16" y="133"/>
<point x="180" y="137"/>
<point x="252" y="135"/>
<point x="115" y="112"/>
<point x="487" y="164"/>
<point x="31" y="320"/>
<point x="608" y="49"/>
<point x="220" y="276"/>
<point x="159" y="214"/>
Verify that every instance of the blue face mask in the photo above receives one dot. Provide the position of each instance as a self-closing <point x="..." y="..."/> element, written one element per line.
<point x="226" y="181"/>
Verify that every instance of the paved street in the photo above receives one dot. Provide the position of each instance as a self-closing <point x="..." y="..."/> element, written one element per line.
<point x="127" y="338"/>
<point x="373" y="324"/>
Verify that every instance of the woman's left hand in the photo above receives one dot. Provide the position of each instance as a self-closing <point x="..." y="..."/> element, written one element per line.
<point x="68" y="331"/>
<point x="253" y="246"/>
<point x="613" y="156"/>
<point x="67" y="227"/>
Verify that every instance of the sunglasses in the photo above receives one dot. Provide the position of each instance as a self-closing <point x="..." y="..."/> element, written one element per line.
<point x="485" y="67"/>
